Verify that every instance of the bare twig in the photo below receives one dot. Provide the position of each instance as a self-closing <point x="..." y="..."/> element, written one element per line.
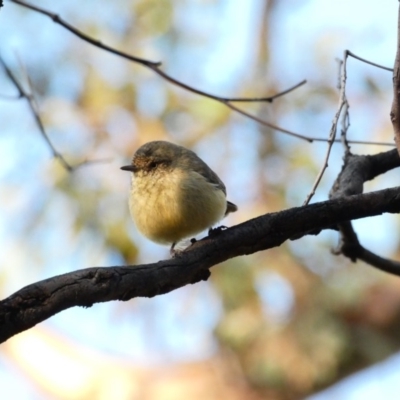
<point x="343" y="112"/>
<point x="345" y="116"/>
<point x="270" y="99"/>
<point x="155" y="66"/>
<point x="29" y="96"/>
<point x="332" y="133"/>
<point x="351" y="248"/>
<point x="367" y="61"/>
<point x="339" y="73"/>
<point x="395" y="110"/>
<point x="351" y="141"/>
<point x="345" y="127"/>
<point x="84" y="37"/>
<point x="227" y="101"/>
<point x="267" y="124"/>
<point x="32" y="105"/>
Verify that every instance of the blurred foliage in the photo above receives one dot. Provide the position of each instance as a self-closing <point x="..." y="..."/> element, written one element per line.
<point x="295" y="318"/>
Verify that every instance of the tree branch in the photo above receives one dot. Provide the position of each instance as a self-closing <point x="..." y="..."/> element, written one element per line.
<point x="343" y="112"/>
<point x="30" y="98"/>
<point x="350" y="53"/>
<point x="22" y="93"/>
<point x="357" y="170"/>
<point x="155" y="67"/>
<point x="39" y="301"/>
<point x="343" y="104"/>
<point x="395" y="111"/>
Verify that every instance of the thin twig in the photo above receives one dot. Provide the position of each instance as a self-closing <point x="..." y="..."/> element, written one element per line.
<point x="339" y="73"/>
<point x="29" y="96"/>
<point x="332" y="133"/>
<point x="57" y="19"/>
<point x="395" y="109"/>
<point x="270" y="99"/>
<point x="349" y="53"/>
<point x="227" y="101"/>
<point x="354" y="142"/>
<point x="268" y="124"/>
<point x="351" y="248"/>
<point x="155" y="66"/>
<point x="32" y="105"/>
<point x="345" y="128"/>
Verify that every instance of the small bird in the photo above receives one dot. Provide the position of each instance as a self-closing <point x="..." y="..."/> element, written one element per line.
<point x="174" y="194"/>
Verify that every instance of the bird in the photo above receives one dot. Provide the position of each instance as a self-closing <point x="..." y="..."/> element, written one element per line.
<point x="174" y="194"/>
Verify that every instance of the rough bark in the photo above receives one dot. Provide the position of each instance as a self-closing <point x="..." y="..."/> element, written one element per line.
<point x="41" y="300"/>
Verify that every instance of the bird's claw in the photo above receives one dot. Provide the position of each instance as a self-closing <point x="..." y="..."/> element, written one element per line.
<point x="217" y="230"/>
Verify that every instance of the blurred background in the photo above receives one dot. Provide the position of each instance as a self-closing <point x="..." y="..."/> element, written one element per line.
<point x="282" y="324"/>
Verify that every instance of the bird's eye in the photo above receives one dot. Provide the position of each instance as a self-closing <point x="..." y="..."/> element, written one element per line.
<point x="152" y="165"/>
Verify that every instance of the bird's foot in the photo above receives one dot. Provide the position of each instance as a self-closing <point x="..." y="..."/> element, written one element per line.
<point x="216" y="231"/>
<point x="176" y="252"/>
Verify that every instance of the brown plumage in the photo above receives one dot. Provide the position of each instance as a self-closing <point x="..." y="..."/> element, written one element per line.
<point x="174" y="193"/>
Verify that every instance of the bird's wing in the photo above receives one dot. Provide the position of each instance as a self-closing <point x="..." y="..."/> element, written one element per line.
<point x="204" y="170"/>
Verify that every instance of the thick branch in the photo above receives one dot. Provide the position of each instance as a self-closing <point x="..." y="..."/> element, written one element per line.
<point x="351" y="247"/>
<point x="41" y="300"/>
<point x="357" y="170"/>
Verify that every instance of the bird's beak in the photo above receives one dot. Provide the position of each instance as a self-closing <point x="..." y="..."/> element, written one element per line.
<point x="131" y="168"/>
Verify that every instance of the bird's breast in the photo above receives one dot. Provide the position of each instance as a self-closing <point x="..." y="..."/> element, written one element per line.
<point x="170" y="206"/>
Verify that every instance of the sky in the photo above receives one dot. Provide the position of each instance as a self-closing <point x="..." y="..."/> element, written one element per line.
<point x="366" y="27"/>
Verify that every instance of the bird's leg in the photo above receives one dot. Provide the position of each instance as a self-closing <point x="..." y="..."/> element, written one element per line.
<point x="175" y="253"/>
<point x="172" y="249"/>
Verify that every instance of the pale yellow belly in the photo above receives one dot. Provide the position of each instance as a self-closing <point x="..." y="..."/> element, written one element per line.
<point x="175" y="207"/>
